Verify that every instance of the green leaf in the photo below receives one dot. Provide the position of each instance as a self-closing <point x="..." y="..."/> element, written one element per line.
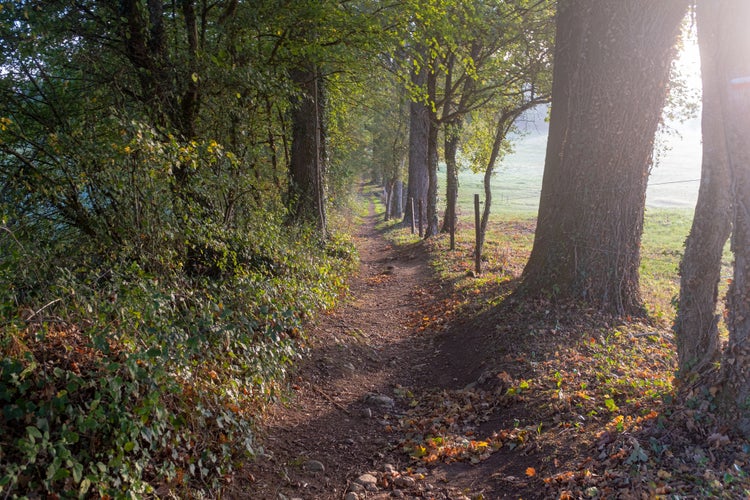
<point x="70" y="436"/>
<point x="84" y="488"/>
<point x="33" y="432"/>
<point x="77" y="472"/>
<point x="611" y="406"/>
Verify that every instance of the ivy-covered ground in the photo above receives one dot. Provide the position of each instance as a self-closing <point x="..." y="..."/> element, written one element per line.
<point x="431" y="383"/>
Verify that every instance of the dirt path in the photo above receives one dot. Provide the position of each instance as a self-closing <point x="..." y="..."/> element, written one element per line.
<point x="339" y="436"/>
<point x="419" y="389"/>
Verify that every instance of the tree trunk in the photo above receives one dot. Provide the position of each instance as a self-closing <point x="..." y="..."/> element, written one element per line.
<point x="389" y="188"/>
<point x="432" y="228"/>
<point x="419" y="125"/>
<point x="696" y="325"/>
<point x="734" y="397"/>
<point x="306" y="168"/>
<point x="453" y="120"/>
<point x="450" y="145"/>
<point x="504" y="124"/>
<point x="612" y="64"/>
<point x="397" y="207"/>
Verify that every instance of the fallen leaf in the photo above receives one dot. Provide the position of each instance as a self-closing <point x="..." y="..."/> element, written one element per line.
<point x="718" y="440"/>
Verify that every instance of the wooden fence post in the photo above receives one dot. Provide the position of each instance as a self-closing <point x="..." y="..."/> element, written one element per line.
<point x="477" y="251"/>
<point x="421" y="228"/>
<point x="413" y="215"/>
<point x="452" y="224"/>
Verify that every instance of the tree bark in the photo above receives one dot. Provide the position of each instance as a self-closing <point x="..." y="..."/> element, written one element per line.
<point x="432" y="228"/>
<point x="307" y="167"/>
<point x="450" y="146"/>
<point x="419" y="125"/>
<point x="734" y="396"/>
<point x="612" y="64"/>
<point x="696" y="325"/>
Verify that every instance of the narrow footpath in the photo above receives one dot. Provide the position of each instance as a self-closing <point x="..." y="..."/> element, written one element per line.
<point x="339" y="436"/>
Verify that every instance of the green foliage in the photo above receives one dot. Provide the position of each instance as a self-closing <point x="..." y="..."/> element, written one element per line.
<point x="136" y="377"/>
<point x="152" y="294"/>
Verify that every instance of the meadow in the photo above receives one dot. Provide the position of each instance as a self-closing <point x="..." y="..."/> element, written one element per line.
<point x="670" y="201"/>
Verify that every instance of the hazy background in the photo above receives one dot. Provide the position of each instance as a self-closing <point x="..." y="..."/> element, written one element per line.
<point x="674" y="178"/>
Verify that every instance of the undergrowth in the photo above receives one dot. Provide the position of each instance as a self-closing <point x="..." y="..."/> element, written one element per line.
<point x="134" y="374"/>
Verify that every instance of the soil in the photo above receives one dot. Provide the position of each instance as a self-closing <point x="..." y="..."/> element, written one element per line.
<point x="375" y="344"/>
<point x="453" y="388"/>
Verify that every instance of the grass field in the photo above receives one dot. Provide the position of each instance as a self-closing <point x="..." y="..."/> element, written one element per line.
<point x="510" y="235"/>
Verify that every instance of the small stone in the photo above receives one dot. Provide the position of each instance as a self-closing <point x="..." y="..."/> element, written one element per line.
<point x="404" y="482"/>
<point x="371" y="487"/>
<point x="389" y="468"/>
<point x="356" y="488"/>
<point x="314" y="466"/>
<point x="366" y="413"/>
<point x="380" y="400"/>
<point x="351" y="496"/>
<point x="349" y="367"/>
<point x="366" y="479"/>
<point x="397" y="494"/>
<point x="349" y="441"/>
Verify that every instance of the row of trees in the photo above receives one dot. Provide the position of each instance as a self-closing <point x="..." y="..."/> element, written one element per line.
<point x="467" y="72"/>
<point x="611" y="77"/>
<point x="266" y="92"/>
<point x="163" y="133"/>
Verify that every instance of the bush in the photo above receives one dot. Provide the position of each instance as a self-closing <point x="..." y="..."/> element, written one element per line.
<point x="137" y="355"/>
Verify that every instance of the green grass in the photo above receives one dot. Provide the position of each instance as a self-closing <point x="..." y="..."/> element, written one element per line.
<point x="662" y="247"/>
<point x="513" y="196"/>
<point x="510" y="237"/>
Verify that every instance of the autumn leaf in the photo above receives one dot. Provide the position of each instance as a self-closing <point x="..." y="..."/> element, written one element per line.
<point x="530" y="471"/>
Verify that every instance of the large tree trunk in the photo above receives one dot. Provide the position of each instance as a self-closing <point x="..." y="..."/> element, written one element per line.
<point x="734" y="16"/>
<point x="307" y="160"/>
<point x="432" y="228"/>
<point x="612" y="62"/>
<point x="419" y="125"/>
<point x="696" y="325"/>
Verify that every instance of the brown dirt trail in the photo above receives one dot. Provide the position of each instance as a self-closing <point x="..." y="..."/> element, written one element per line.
<point x="343" y="419"/>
